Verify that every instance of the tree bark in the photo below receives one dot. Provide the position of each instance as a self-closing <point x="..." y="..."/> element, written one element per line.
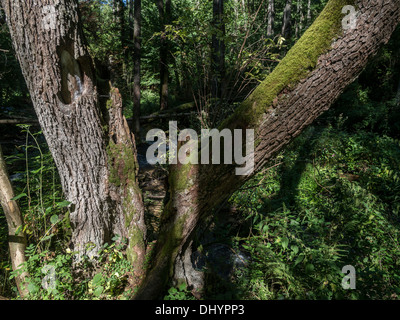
<point x="16" y="236"/>
<point x="300" y="18"/>
<point x="165" y="14"/>
<point x="308" y="12"/>
<point x="305" y="84"/>
<point x="87" y="135"/>
<point x="137" y="25"/>
<point x="271" y="18"/>
<point x="287" y="20"/>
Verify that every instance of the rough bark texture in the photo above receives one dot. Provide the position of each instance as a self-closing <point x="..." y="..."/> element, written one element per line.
<point x="305" y="84"/>
<point x="77" y="124"/>
<point x="16" y="240"/>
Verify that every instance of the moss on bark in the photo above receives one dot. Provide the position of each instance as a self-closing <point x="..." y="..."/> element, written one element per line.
<point x="296" y="65"/>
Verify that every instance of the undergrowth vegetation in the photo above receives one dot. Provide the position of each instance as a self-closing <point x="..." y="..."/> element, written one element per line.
<point x="331" y="199"/>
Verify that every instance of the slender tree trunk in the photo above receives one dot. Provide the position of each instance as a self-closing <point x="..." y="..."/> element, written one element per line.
<point x="165" y="14"/>
<point x="87" y="135"/>
<point x="308" y="12"/>
<point x="119" y="13"/>
<point x="300" y="18"/>
<point x="16" y="240"/>
<point x="218" y="49"/>
<point x="271" y="18"/>
<point x="287" y="20"/>
<point x="137" y="25"/>
<point x="305" y="84"/>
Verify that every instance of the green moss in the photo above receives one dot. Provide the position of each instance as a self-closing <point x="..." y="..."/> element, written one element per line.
<point x="179" y="177"/>
<point x="122" y="164"/>
<point x="296" y="65"/>
<point x="136" y="239"/>
<point x="173" y="240"/>
<point x="109" y="104"/>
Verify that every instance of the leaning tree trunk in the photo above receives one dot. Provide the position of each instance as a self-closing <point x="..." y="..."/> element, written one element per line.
<point x="305" y="84"/>
<point x="16" y="236"/>
<point x="86" y="133"/>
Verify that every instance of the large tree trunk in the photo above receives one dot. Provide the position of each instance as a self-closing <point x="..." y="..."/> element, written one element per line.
<point x="16" y="236"/>
<point x="87" y="135"/>
<point x="305" y="84"/>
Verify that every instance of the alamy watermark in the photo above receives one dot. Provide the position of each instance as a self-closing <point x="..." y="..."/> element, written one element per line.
<point x="349" y="280"/>
<point x="349" y="22"/>
<point x="165" y="150"/>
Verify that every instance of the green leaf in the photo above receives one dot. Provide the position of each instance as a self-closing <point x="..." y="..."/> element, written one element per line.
<point x="299" y="259"/>
<point x="54" y="219"/>
<point x="99" y="290"/>
<point x="33" y="288"/>
<point x="295" y="249"/>
<point x="18" y="230"/>
<point x="182" y="287"/>
<point x="19" y="196"/>
<point x="172" y="290"/>
<point x="63" y="204"/>
<point x="97" y="279"/>
<point x="310" y="267"/>
<point x="285" y="242"/>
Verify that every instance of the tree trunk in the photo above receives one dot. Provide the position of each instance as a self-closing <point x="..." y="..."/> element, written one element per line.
<point x="87" y="135"/>
<point x="165" y="14"/>
<point x="300" y="18"/>
<point x="271" y="18"/>
<point x="308" y="12"/>
<point x="218" y="49"/>
<point x="137" y="25"/>
<point x="16" y="236"/>
<point x="287" y="20"/>
<point x="119" y="14"/>
<point x="305" y="84"/>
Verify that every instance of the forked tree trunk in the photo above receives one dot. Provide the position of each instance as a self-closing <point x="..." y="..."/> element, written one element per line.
<point x="16" y="235"/>
<point x="305" y="84"/>
<point x="87" y="135"/>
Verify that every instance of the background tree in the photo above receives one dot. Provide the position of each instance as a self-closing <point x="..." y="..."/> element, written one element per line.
<point x="17" y="238"/>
